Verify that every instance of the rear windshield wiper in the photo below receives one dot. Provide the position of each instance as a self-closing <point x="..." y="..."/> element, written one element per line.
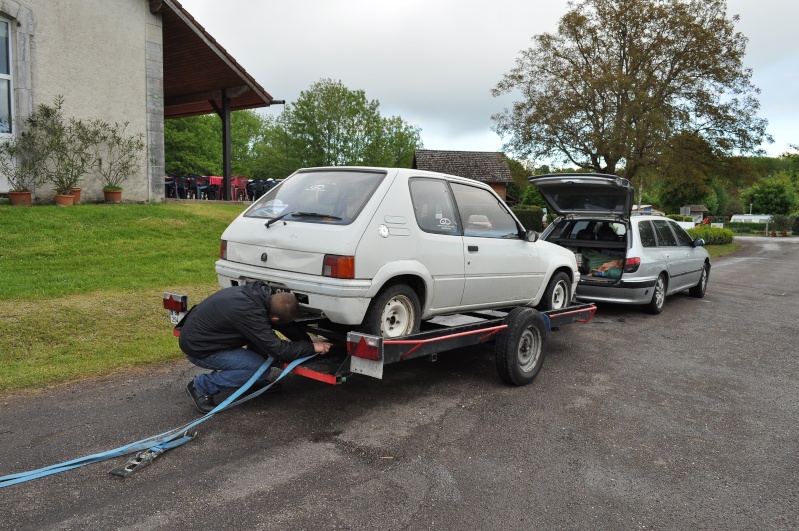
<point x="302" y="215"/>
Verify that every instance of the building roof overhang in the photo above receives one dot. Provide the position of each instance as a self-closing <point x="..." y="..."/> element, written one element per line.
<point x="197" y="69"/>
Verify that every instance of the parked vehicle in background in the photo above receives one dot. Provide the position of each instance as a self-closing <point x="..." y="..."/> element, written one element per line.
<point x="751" y="218"/>
<point x="381" y="249"/>
<point x="623" y="258"/>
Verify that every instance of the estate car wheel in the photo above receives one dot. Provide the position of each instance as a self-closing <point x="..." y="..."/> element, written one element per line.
<point x="393" y="313"/>
<point x="655" y="306"/>
<point x="521" y="347"/>
<point x="698" y="291"/>
<point x="558" y="294"/>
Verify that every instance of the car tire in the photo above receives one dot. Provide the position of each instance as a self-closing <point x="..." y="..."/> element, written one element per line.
<point x="698" y="291"/>
<point x="395" y="312"/>
<point x="655" y="306"/>
<point x="521" y="347"/>
<point x="558" y="293"/>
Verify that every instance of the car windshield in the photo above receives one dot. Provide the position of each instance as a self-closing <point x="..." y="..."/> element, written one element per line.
<point x="324" y="196"/>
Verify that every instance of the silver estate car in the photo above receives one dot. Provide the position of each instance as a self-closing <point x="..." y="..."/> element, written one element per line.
<point x="623" y="258"/>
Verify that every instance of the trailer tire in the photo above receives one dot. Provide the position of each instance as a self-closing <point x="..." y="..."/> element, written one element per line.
<point x="521" y="347"/>
<point x="394" y="312"/>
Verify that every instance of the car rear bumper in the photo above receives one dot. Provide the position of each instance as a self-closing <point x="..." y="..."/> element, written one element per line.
<point x="341" y="301"/>
<point x="624" y="292"/>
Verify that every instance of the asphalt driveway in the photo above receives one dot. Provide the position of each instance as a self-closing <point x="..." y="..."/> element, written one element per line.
<point x="685" y="420"/>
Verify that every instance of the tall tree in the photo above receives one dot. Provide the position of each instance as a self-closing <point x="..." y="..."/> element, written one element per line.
<point x="623" y="83"/>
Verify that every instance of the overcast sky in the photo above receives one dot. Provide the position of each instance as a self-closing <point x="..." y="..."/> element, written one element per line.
<point x="434" y="62"/>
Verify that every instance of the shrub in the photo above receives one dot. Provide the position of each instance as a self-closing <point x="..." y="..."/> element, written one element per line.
<point x="530" y="216"/>
<point x="679" y="217"/>
<point x="712" y="235"/>
<point x="746" y="227"/>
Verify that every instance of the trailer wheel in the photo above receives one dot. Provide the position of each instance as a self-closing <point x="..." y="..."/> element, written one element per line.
<point x="395" y="312"/>
<point x="520" y="348"/>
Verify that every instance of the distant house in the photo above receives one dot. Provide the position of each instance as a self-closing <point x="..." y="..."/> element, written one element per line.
<point x="134" y="61"/>
<point x="697" y="212"/>
<point x="484" y="166"/>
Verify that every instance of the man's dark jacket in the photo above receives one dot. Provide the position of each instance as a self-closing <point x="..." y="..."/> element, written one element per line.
<point x="234" y="317"/>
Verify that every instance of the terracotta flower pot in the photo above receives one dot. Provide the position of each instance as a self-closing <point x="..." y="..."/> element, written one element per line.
<point x="64" y="200"/>
<point x="76" y="192"/>
<point x="113" y="196"/>
<point x="20" y="198"/>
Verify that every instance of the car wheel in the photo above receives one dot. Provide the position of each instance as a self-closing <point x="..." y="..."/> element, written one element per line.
<point x="698" y="291"/>
<point x="655" y="306"/>
<point x="395" y="312"/>
<point x="521" y="347"/>
<point x="558" y="294"/>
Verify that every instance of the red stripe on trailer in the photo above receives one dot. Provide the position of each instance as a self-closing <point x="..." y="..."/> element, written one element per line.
<point x="419" y="342"/>
<point x="313" y="375"/>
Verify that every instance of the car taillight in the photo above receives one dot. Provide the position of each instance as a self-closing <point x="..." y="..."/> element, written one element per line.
<point x="223" y="249"/>
<point x="631" y="265"/>
<point x="338" y="266"/>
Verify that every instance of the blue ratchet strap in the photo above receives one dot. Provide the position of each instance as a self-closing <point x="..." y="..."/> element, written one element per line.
<point x="156" y="444"/>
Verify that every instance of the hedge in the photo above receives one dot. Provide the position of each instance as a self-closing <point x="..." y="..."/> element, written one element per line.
<point x="712" y="235"/>
<point x="530" y="216"/>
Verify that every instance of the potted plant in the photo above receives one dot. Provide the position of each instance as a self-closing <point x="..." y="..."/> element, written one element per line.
<point x="21" y="162"/>
<point x="781" y="224"/>
<point x="66" y="145"/>
<point x="118" y="157"/>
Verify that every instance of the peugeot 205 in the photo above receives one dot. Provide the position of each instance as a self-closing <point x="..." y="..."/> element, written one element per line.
<point x="381" y="249"/>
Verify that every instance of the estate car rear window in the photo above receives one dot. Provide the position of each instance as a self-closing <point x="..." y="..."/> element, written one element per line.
<point x="333" y="197"/>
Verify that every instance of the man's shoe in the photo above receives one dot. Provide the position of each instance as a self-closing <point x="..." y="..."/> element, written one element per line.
<point x="203" y="403"/>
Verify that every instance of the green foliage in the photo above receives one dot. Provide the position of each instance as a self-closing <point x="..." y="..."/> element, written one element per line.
<point x="622" y="83"/>
<point x="712" y="235"/>
<point x="678" y="217"/>
<point x="531" y="217"/>
<point x="117" y="153"/>
<point x="745" y="227"/>
<point x="769" y="197"/>
<point x="781" y="223"/>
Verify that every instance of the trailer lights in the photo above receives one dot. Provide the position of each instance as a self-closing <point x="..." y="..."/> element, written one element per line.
<point x="363" y="346"/>
<point x="175" y="302"/>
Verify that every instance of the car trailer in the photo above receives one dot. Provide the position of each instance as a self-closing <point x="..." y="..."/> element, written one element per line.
<point x="519" y="336"/>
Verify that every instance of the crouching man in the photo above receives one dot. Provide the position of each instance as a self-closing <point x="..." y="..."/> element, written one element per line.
<point x="232" y="332"/>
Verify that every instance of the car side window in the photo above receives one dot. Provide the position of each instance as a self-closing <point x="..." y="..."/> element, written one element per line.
<point x="483" y="214"/>
<point x="682" y="237"/>
<point x="647" y="234"/>
<point x="665" y="236"/>
<point x="433" y="206"/>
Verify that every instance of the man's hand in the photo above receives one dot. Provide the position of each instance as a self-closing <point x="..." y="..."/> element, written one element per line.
<point x="321" y="347"/>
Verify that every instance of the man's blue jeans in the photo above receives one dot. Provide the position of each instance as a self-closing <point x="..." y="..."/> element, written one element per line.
<point x="232" y="369"/>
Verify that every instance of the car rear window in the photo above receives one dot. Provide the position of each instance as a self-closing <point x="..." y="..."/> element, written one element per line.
<point x="324" y="196"/>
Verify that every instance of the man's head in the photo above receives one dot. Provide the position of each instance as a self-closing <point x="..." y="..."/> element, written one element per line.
<point x="283" y="308"/>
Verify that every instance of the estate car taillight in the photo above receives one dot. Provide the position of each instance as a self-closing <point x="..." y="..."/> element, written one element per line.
<point x="336" y="266"/>
<point x="223" y="249"/>
<point x="631" y="265"/>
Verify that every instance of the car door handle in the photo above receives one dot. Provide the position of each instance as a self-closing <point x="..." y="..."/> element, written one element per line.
<point x="472" y="248"/>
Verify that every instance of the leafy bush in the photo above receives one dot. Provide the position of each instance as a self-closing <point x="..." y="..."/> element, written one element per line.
<point x="531" y="217"/>
<point x="679" y="217"/>
<point x="712" y="235"/>
<point x="746" y="227"/>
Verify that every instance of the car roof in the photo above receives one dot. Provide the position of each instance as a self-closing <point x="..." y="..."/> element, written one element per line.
<point x="586" y="194"/>
<point x="407" y="172"/>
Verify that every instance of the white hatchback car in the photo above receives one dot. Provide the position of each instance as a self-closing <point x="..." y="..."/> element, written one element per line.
<point x="382" y="249"/>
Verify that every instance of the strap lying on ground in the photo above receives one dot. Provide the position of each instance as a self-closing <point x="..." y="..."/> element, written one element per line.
<point x="156" y="444"/>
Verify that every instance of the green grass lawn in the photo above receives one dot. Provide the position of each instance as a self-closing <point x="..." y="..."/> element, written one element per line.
<point x="81" y="287"/>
